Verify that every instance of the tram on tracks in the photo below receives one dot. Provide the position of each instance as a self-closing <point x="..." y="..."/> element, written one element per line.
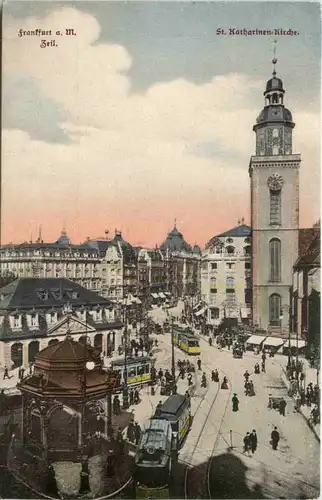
<point x="153" y="460"/>
<point x="176" y="410"/>
<point x="186" y="340"/>
<point x="138" y="370"/>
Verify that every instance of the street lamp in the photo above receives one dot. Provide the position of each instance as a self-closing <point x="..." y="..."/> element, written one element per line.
<point x="286" y="308"/>
<point x="125" y="386"/>
<point x="88" y="365"/>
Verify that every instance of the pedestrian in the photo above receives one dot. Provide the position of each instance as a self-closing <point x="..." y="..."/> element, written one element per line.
<point x="282" y="406"/>
<point x="275" y="437"/>
<point x="160" y="374"/>
<point x="130" y="431"/>
<point x="246" y="376"/>
<point x="251" y="388"/>
<point x="199" y="364"/>
<point x="137" y="433"/>
<point x="253" y="441"/>
<point x="189" y="379"/>
<point x="131" y="394"/>
<point x="246" y="443"/>
<point x="235" y="402"/>
<point x="6" y="373"/>
<point x="158" y="408"/>
<point x="263" y="367"/>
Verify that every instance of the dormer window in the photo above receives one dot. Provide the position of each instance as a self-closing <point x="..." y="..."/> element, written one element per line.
<point x="16" y="321"/>
<point x="98" y="315"/>
<point x="52" y="318"/>
<point x="34" y="320"/>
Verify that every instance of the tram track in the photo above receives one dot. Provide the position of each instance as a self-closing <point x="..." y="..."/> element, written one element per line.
<point x="197" y="476"/>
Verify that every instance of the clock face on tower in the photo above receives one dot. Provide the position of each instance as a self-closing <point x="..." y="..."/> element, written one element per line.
<point x="275" y="182"/>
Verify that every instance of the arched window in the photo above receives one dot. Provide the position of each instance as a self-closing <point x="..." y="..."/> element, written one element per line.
<point x="275" y="99"/>
<point x="230" y="282"/>
<point x="230" y="249"/>
<point x="275" y="259"/>
<point x="274" y="309"/>
<point x="275" y="207"/>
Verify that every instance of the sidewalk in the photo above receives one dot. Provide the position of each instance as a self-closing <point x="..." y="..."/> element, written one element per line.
<point x="304" y="409"/>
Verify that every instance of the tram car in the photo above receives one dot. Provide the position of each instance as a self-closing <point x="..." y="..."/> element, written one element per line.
<point x="138" y="370"/>
<point x="176" y="410"/>
<point x="186" y="340"/>
<point x="153" y="460"/>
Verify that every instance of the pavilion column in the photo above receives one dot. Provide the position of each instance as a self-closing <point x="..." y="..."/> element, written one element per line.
<point x="80" y="430"/>
<point x="104" y="343"/>
<point x="25" y="362"/>
<point x="108" y="430"/>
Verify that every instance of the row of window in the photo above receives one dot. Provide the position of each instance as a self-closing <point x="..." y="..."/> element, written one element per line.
<point x="229" y="265"/>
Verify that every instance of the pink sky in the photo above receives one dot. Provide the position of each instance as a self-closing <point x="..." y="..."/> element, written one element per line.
<point x="133" y="161"/>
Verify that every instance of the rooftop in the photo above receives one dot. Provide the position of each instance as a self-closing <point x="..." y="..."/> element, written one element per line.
<point x="47" y="293"/>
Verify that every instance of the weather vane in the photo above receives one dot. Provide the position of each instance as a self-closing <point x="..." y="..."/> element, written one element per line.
<point x="274" y="60"/>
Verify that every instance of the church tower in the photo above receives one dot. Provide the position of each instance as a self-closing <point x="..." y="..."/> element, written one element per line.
<point x="274" y="179"/>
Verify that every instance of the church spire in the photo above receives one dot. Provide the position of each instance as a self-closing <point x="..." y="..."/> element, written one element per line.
<point x="274" y="60"/>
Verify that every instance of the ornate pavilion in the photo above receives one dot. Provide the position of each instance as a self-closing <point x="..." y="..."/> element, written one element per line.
<point x="67" y="420"/>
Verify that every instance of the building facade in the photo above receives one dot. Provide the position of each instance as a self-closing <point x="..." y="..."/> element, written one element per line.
<point x="226" y="276"/>
<point x="119" y="269"/>
<point x="61" y="259"/>
<point x="38" y="312"/>
<point x="306" y="289"/>
<point x="274" y="180"/>
<point x="182" y="264"/>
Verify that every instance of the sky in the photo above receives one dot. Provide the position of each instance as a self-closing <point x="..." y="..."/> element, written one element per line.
<point x="145" y="115"/>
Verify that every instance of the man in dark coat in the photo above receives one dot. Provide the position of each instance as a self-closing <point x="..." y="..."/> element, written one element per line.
<point x="137" y="433"/>
<point x="282" y="406"/>
<point x="246" y="443"/>
<point x="275" y="437"/>
<point x="253" y="441"/>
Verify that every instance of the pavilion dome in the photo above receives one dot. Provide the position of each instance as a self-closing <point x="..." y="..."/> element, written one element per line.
<point x="65" y="355"/>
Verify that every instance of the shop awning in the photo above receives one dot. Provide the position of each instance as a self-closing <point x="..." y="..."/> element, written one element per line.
<point x="255" y="340"/>
<point x="155" y="295"/>
<point x="300" y="343"/>
<point x="274" y="341"/>
<point x="161" y="294"/>
<point x="167" y="293"/>
<point x="231" y="312"/>
<point x="244" y="312"/>
<point x="198" y="313"/>
<point x="138" y="301"/>
<point x="197" y="306"/>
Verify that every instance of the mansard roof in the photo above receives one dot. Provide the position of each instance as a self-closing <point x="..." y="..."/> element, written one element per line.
<point x="44" y="293"/>
<point x="242" y="230"/>
<point x="175" y="242"/>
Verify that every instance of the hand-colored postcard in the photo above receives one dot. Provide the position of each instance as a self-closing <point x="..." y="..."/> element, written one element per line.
<point x="160" y="250"/>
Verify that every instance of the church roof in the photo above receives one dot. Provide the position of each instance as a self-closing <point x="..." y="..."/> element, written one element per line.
<point x="274" y="84"/>
<point x="242" y="230"/>
<point x="29" y="293"/>
<point x="175" y="242"/>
